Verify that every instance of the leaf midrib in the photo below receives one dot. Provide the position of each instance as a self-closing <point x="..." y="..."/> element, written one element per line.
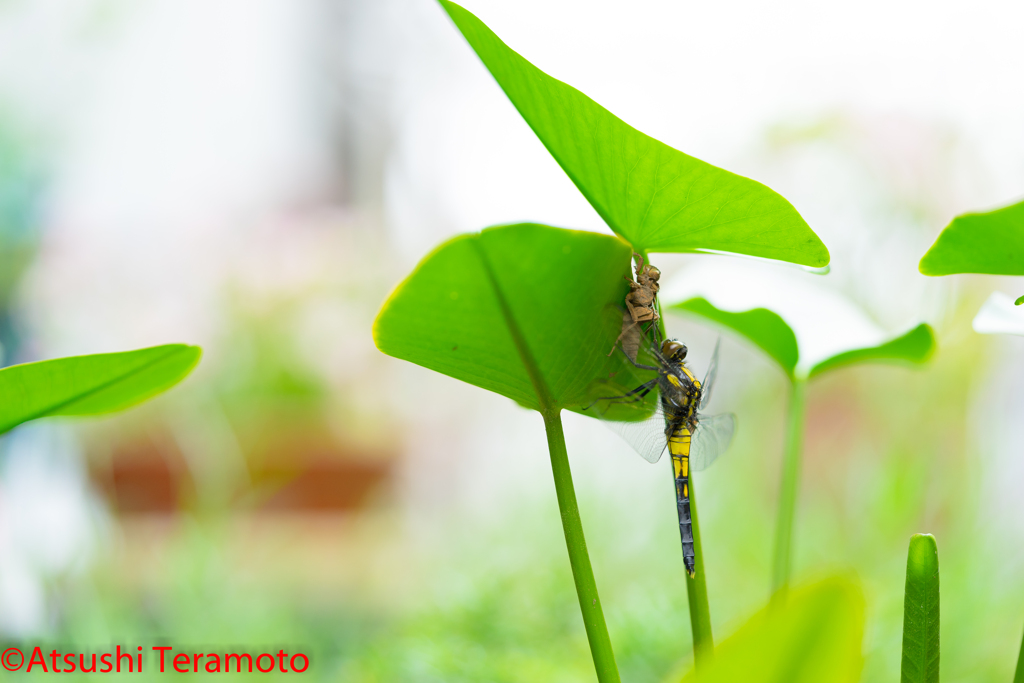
<point x="525" y="356"/>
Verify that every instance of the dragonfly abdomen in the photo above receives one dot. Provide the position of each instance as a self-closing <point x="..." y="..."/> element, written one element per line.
<point x="679" y="448"/>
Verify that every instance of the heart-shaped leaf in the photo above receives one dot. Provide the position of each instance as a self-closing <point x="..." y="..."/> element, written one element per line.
<point x="915" y="346"/>
<point x="91" y="385"/>
<point x="527" y="311"/>
<point x="764" y="328"/>
<point x="768" y="331"/>
<point x="921" y="612"/>
<point x="991" y="243"/>
<point x="814" y="637"/>
<point x="656" y="197"/>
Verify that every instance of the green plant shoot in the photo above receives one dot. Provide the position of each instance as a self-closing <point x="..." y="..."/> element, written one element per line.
<point x="91" y="385"/>
<point x="921" y="612"/>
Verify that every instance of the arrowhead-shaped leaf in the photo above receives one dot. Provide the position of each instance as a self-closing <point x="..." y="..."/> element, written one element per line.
<point x="656" y="197"/>
<point x="527" y="311"/>
<point x="915" y="346"/>
<point x="764" y="328"/>
<point x="921" y="612"/>
<point x="814" y="637"/>
<point x="990" y="243"/>
<point x="90" y="385"/>
<point x="775" y="337"/>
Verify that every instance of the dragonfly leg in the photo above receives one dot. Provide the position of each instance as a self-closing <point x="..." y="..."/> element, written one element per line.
<point x="633" y="396"/>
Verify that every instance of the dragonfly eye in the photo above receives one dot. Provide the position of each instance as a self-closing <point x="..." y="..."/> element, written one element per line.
<point x="673" y="350"/>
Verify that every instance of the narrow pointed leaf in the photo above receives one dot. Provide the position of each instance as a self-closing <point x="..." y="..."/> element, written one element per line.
<point x="656" y="197"/>
<point x="1019" y="301"/>
<point x="921" y="612"/>
<point x="91" y="385"/>
<point x="915" y="346"/>
<point x="764" y="328"/>
<point x="815" y="637"/>
<point x="991" y="242"/>
<point x="527" y="311"/>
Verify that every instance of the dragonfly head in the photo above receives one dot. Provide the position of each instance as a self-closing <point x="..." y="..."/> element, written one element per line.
<point x="673" y="351"/>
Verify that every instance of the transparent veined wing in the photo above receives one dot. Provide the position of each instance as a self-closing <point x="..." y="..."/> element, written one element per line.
<point x="709" y="377"/>
<point x="711" y="439"/>
<point x="636" y="417"/>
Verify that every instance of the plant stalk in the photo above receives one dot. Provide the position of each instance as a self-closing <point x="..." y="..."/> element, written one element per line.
<point x="697" y="594"/>
<point x="783" y="554"/>
<point x="1018" y="677"/>
<point x="582" y="572"/>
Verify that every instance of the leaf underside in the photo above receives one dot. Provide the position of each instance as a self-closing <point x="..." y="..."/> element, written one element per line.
<point x="991" y="243"/>
<point x="916" y="346"/>
<point x="527" y="311"/>
<point x="764" y="328"/>
<point x="815" y="637"/>
<point x="91" y="385"/>
<point x="920" y="662"/>
<point x="656" y="197"/>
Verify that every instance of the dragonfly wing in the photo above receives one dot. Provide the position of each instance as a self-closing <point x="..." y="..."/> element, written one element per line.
<point x="635" y="416"/>
<point x="709" y="378"/>
<point x="711" y="438"/>
<point x="647" y="438"/>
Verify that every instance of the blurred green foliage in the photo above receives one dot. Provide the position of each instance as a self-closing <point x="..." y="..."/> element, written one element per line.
<point x="814" y="638"/>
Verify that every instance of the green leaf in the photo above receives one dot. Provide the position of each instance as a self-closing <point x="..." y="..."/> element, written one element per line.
<point x="656" y="197"/>
<point x="814" y="637"/>
<point x="990" y="243"/>
<point x="91" y="385"/>
<point x="921" y="612"/>
<point x="527" y="311"/>
<point x="1019" y="301"/>
<point x="915" y="346"/>
<point x="766" y="329"/>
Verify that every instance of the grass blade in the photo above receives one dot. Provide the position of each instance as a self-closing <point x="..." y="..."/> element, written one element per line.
<point x="921" y="612"/>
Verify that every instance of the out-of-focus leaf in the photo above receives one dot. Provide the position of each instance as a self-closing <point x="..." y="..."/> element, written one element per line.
<point x="656" y="197"/>
<point x="991" y="242"/>
<point x="814" y="637"/>
<point x="921" y="612"/>
<point x="1019" y="301"/>
<point x="764" y="328"/>
<point x="91" y="385"/>
<point x="915" y="346"/>
<point x="527" y="311"/>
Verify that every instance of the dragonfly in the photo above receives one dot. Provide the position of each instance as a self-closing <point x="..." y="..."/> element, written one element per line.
<point x="674" y="422"/>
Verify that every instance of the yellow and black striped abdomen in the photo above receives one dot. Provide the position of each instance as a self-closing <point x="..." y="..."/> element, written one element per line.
<point x="679" y="449"/>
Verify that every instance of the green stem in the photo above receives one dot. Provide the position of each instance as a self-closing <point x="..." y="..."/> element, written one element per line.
<point x="582" y="573"/>
<point x="697" y="593"/>
<point x="1018" y="677"/>
<point x="782" y="561"/>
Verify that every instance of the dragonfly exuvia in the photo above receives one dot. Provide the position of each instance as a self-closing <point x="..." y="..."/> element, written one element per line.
<point x="693" y="440"/>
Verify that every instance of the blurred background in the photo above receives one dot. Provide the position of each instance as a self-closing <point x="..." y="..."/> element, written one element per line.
<point x="255" y="176"/>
